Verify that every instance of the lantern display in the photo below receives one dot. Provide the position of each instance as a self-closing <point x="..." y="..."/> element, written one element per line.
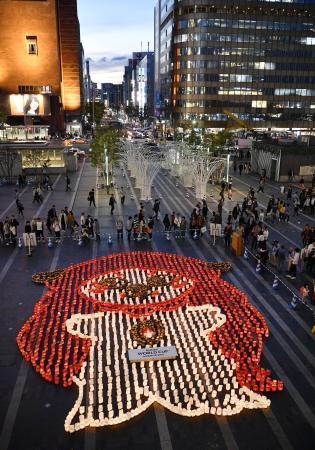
<point x="96" y="311"/>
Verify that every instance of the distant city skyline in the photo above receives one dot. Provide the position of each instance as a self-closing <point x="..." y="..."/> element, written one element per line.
<point x="111" y="31"/>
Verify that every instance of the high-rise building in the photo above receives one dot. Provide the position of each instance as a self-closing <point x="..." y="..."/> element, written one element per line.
<point x="112" y="95"/>
<point x="253" y="59"/>
<point x="41" y="63"/>
<point x="144" y="94"/>
<point x="130" y="78"/>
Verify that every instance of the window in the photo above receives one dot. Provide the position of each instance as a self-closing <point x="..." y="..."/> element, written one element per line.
<point x="31" y="45"/>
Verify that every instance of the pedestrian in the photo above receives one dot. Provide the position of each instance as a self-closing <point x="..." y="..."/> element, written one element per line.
<point x="13" y="229"/>
<point x="39" y="229"/>
<point x="112" y="202"/>
<point x="68" y="188"/>
<point x="150" y="228"/>
<point x="240" y="168"/>
<point x="205" y="208"/>
<point x="227" y="234"/>
<point x="2" y="233"/>
<point x="56" y="228"/>
<point x="135" y="226"/>
<point x="91" y="197"/>
<point x="166" y="223"/>
<point x="294" y="263"/>
<point x="97" y="233"/>
<point x="20" y="207"/>
<point x="183" y="227"/>
<point x="156" y="209"/>
<point x="122" y="196"/>
<point x="129" y="226"/>
<point x="63" y="220"/>
<point x="261" y="185"/>
<point x="119" y="228"/>
<point x="82" y="219"/>
<point x="6" y="231"/>
<point x="304" y="292"/>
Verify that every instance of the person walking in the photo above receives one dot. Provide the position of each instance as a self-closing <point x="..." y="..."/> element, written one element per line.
<point x="68" y="188"/>
<point x="183" y="227"/>
<point x="20" y="207"/>
<point x="112" y="202"/>
<point x="39" y="229"/>
<point x="91" y="197"/>
<point x="150" y="228"/>
<point x="227" y="234"/>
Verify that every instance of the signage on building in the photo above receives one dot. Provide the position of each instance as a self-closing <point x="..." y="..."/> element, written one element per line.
<point x="152" y="354"/>
<point x="29" y="105"/>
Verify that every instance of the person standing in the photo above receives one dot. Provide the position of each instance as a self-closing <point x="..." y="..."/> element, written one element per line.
<point x="294" y="263"/>
<point x="166" y="223"/>
<point x="68" y="188"/>
<point x="13" y="229"/>
<point x="56" y="228"/>
<point x="150" y="228"/>
<point x="91" y="197"/>
<point x="122" y="196"/>
<point x="119" y="228"/>
<point x="156" y="209"/>
<point x="97" y="232"/>
<point x="129" y="226"/>
<point x="227" y="234"/>
<point x="112" y="202"/>
<point x="40" y="229"/>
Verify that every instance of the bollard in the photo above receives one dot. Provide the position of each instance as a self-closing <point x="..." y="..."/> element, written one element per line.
<point x="50" y="243"/>
<point x="110" y="241"/>
<point x="275" y="284"/>
<point x="20" y="244"/>
<point x="187" y="194"/>
<point x="168" y="236"/>
<point x="258" y="267"/>
<point x="80" y="241"/>
<point x="246" y="254"/>
<point x="293" y="303"/>
<point x="195" y="236"/>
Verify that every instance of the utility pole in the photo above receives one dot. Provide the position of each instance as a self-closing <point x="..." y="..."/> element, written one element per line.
<point x="106" y="174"/>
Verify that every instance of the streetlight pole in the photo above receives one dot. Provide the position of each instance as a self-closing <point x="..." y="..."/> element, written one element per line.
<point x="228" y="168"/>
<point x="106" y="174"/>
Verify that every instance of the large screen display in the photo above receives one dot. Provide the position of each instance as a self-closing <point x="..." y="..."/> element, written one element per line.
<point x="30" y="105"/>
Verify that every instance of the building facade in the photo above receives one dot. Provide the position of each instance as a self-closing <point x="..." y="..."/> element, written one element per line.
<point x="41" y="81"/>
<point x="144" y="92"/>
<point x="112" y="95"/>
<point x="253" y="59"/>
<point x="131" y="78"/>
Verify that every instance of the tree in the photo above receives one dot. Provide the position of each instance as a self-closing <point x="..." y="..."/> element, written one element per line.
<point x="98" y="112"/>
<point x="194" y="138"/>
<point x="36" y="159"/>
<point x="8" y="159"/>
<point x="105" y="138"/>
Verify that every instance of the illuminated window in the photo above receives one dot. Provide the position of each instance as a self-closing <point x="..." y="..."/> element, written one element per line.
<point x="265" y="65"/>
<point x="31" y="45"/>
<point x="259" y="104"/>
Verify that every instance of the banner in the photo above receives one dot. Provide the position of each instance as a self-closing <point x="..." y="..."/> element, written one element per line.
<point x="29" y="105"/>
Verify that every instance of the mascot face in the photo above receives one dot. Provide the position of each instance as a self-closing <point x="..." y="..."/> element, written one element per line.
<point x="83" y="327"/>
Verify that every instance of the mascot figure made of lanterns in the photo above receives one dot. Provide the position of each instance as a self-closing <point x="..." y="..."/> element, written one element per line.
<point x="84" y="327"/>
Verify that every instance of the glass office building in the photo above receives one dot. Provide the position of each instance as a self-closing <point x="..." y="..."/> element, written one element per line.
<point x="252" y="59"/>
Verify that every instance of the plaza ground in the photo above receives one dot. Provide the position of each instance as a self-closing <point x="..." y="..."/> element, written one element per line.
<point x="32" y="411"/>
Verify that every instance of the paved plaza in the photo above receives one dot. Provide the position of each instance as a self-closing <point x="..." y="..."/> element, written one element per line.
<point x="33" y="411"/>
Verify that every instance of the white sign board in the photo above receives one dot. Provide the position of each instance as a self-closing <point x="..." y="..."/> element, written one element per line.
<point x="152" y="354"/>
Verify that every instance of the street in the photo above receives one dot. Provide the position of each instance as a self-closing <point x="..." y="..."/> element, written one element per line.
<point x="289" y="423"/>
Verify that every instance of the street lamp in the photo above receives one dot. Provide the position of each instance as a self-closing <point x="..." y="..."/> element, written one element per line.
<point x="106" y="167"/>
<point x="228" y="168"/>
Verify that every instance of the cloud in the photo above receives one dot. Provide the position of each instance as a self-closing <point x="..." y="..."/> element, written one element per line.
<point x="108" y="68"/>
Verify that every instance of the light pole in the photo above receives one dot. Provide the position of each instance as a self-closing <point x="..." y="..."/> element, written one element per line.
<point x="228" y="168"/>
<point x="106" y="174"/>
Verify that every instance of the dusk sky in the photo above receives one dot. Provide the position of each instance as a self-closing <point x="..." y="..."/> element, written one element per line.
<point x="111" y="30"/>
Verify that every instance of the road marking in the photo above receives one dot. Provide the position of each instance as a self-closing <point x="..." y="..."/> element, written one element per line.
<point x="160" y="416"/>
<point x="12" y="203"/>
<point x="18" y="389"/>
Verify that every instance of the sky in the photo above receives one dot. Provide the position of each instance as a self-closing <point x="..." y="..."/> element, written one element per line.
<point x="111" y="30"/>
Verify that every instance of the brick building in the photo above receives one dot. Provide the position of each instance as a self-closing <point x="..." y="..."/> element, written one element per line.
<point x="41" y="64"/>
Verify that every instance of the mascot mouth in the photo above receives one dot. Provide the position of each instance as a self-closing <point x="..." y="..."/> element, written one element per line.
<point x="136" y="288"/>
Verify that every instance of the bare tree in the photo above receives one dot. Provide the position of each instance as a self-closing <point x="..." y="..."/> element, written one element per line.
<point x="8" y="159"/>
